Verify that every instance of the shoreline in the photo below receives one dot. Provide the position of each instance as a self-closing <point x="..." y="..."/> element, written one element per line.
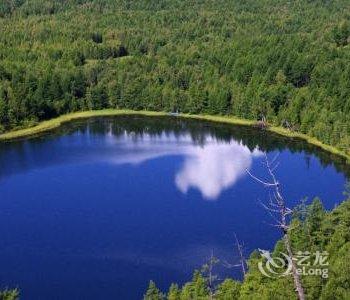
<point x="57" y="122"/>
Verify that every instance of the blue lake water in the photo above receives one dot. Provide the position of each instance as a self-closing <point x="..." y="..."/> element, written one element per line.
<point x="96" y="209"/>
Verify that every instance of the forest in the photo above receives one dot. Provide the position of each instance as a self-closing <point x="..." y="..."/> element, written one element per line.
<point x="286" y="61"/>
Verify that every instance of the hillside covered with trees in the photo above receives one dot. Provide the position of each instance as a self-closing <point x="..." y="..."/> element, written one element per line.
<point x="285" y="60"/>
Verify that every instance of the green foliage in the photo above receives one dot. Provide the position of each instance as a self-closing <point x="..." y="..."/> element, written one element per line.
<point x="153" y="293"/>
<point x="7" y="7"/>
<point x="174" y="292"/>
<point x="196" y="289"/>
<point x="9" y="295"/>
<point x="228" y="289"/>
<point x="286" y="60"/>
<point x="341" y="34"/>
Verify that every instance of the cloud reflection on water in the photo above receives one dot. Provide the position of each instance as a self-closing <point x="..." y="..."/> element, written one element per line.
<point x="210" y="167"/>
<point x="214" y="168"/>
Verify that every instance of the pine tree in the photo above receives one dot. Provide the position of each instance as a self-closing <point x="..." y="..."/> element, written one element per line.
<point x="174" y="292"/>
<point x="153" y="293"/>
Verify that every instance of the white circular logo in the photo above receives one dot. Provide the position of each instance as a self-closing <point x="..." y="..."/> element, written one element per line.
<point x="275" y="266"/>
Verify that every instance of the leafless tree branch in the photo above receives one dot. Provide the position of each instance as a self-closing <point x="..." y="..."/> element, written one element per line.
<point x="241" y="256"/>
<point x="277" y="206"/>
<point x="259" y="180"/>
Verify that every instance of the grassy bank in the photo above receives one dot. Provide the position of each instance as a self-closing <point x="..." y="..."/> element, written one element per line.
<point x="275" y="129"/>
<point x="54" y="123"/>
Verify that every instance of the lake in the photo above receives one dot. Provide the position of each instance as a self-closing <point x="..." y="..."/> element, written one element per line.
<point x="97" y="208"/>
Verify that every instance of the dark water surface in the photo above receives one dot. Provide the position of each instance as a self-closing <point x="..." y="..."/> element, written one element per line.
<point x="97" y="208"/>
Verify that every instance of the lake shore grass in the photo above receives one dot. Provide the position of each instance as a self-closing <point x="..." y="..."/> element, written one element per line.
<point x="57" y="122"/>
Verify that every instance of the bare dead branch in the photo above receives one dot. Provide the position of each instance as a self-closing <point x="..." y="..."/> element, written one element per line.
<point x="277" y="206"/>
<point x="259" y="180"/>
<point x="226" y="264"/>
<point x="241" y="256"/>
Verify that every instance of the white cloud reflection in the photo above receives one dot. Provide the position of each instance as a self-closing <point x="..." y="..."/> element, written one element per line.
<point x="214" y="168"/>
<point x="210" y="168"/>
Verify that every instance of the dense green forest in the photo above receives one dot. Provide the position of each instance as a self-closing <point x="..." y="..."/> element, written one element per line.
<point x="314" y="229"/>
<point x="285" y="60"/>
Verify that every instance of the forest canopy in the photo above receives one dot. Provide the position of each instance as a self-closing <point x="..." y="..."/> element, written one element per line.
<point x="284" y="60"/>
